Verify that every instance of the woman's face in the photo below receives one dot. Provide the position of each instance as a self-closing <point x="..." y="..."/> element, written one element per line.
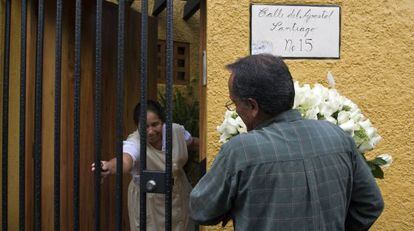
<point x="154" y="128"/>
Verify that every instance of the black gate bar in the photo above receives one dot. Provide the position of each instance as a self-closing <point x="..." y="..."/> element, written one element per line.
<point x="38" y="116"/>
<point x="149" y="179"/>
<point x="168" y="96"/>
<point x="58" y="77"/>
<point x="22" y="123"/>
<point x="98" y="111"/>
<point x="119" y="112"/>
<point x="78" y="15"/>
<point x="143" y="114"/>
<point x="5" y="122"/>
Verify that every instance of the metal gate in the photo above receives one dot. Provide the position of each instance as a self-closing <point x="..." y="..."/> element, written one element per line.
<point x="151" y="181"/>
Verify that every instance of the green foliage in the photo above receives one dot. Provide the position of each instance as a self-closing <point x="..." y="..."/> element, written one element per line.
<point x="335" y="115"/>
<point x="375" y="169"/>
<point x="375" y="166"/>
<point x="184" y="113"/>
<point x="360" y="136"/>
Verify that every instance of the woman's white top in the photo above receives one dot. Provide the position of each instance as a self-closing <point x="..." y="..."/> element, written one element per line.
<point x="131" y="146"/>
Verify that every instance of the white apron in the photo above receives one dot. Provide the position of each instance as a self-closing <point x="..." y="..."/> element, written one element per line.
<point x="155" y="202"/>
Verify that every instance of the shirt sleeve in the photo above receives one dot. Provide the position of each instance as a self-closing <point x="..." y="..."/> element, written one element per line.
<point x="187" y="137"/>
<point x="131" y="146"/>
<point x="211" y="199"/>
<point x="366" y="202"/>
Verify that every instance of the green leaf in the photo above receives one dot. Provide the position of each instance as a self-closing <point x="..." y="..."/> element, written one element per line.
<point x="302" y="110"/>
<point x="377" y="172"/>
<point x="185" y="112"/>
<point x="360" y="136"/>
<point x="335" y="115"/>
<point x="375" y="169"/>
<point x="320" y="117"/>
<point x="379" y="161"/>
<point x="234" y="115"/>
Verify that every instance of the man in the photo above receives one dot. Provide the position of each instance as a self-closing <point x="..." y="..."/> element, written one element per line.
<point x="286" y="173"/>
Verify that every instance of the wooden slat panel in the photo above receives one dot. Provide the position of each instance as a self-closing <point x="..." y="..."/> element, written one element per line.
<point x="87" y="110"/>
<point x="30" y="59"/>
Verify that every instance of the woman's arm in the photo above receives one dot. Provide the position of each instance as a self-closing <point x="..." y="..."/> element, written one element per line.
<point x="109" y="167"/>
<point x="193" y="145"/>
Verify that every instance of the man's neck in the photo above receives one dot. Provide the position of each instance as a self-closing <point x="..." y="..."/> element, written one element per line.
<point x="261" y="118"/>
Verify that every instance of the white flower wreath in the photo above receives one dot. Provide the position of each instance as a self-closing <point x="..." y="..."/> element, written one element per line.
<point x="322" y="103"/>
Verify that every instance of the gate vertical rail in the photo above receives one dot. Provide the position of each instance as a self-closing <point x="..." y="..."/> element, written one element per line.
<point x="149" y="177"/>
<point x="58" y="71"/>
<point x="98" y="111"/>
<point x="119" y="112"/>
<point x="169" y="81"/>
<point x="5" y="120"/>
<point x="22" y="117"/>
<point x="38" y="116"/>
<point x="76" y="162"/>
<point x="143" y="114"/>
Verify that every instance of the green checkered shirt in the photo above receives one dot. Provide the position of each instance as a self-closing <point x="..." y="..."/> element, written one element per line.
<point x="289" y="174"/>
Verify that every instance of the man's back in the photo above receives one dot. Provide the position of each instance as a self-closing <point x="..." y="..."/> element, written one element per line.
<point x="291" y="174"/>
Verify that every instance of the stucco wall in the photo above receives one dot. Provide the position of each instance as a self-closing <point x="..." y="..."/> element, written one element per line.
<point x="375" y="71"/>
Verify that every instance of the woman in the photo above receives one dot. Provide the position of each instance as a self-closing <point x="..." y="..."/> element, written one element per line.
<point x="181" y="139"/>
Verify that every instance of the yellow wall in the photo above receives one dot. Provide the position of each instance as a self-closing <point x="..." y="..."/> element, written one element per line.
<point x="375" y="71"/>
<point x="377" y="49"/>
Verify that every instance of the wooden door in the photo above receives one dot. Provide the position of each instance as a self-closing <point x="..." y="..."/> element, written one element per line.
<point x="131" y="96"/>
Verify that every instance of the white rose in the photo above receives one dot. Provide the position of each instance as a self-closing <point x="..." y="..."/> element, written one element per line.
<point x="387" y="158"/>
<point x="343" y="117"/>
<point x="224" y="138"/>
<point x="331" y="119"/>
<point x="241" y="128"/>
<point x="356" y="115"/>
<point x="375" y="140"/>
<point x="326" y="109"/>
<point x="230" y="129"/>
<point x="331" y="79"/>
<point x="348" y="126"/>
<point x="365" y="146"/>
<point x="222" y="126"/>
<point x="365" y="124"/>
<point x="312" y="113"/>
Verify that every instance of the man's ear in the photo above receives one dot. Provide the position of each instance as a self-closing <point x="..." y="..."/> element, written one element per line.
<point x="254" y="106"/>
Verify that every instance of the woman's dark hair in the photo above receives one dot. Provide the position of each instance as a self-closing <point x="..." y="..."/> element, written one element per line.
<point x="152" y="106"/>
<point x="266" y="79"/>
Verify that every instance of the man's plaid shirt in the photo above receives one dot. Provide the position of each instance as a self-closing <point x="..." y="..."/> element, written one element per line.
<point x="289" y="174"/>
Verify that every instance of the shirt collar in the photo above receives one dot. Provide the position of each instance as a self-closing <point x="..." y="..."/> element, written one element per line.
<point x="286" y="116"/>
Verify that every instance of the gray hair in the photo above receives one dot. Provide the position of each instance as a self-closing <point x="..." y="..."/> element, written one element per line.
<point x="266" y="79"/>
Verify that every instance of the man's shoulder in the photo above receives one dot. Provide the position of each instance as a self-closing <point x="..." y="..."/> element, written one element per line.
<point x="321" y="125"/>
<point x="240" y="140"/>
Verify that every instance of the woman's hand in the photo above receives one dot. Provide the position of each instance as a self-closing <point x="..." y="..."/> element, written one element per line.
<point x="109" y="167"/>
<point x="106" y="168"/>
